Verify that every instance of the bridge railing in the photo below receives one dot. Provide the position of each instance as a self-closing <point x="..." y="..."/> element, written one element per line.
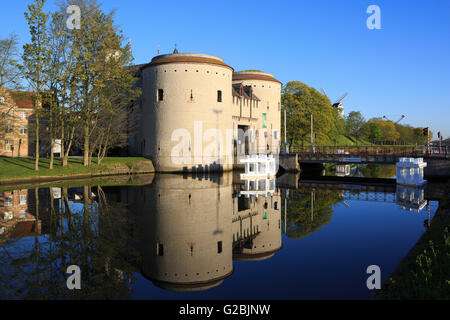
<point x="366" y="151"/>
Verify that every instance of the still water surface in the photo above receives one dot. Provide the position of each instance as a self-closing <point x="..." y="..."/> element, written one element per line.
<point x="205" y="237"/>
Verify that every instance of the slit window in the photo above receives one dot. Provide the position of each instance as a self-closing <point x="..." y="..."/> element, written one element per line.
<point x="160" y="94"/>
<point x="219" y="96"/>
<point x="160" y="249"/>
<point x="219" y="246"/>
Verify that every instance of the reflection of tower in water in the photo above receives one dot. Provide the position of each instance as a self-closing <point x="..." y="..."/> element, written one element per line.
<point x="256" y="222"/>
<point x="185" y="243"/>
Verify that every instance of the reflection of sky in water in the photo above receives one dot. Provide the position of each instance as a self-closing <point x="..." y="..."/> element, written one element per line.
<point x="329" y="262"/>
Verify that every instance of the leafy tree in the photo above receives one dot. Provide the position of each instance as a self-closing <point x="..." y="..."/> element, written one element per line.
<point x="371" y="131"/>
<point x="36" y="57"/>
<point x="300" y="101"/>
<point x="354" y="124"/>
<point x="10" y="71"/>
<point x="388" y="130"/>
<point x="101" y="76"/>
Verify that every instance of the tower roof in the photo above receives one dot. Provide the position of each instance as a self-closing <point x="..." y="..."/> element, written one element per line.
<point x="254" y="75"/>
<point x="187" y="58"/>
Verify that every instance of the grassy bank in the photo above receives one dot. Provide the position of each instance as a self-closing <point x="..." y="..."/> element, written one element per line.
<point x="425" y="272"/>
<point x="23" y="168"/>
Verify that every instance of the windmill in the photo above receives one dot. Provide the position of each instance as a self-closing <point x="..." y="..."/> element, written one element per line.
<point x="401" y="118"/>
<point x="338" y="104"/>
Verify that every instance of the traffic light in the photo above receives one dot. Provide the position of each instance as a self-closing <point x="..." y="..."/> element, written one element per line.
<point x="265" y="205"/>
<point x="425" y="131"/>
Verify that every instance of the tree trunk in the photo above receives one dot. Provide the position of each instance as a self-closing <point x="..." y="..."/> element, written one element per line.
<point x="61" y="153"/>
<point x="36" y="116"/>
<point x="86" y="146"/>
<point x="66" y="154"/>
<point x="51" y="137"/>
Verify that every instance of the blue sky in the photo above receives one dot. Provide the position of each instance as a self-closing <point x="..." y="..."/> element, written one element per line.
<point x="404" y="68"/>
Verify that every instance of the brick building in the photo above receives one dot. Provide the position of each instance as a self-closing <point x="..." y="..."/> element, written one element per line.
<point x="15" y="110"/>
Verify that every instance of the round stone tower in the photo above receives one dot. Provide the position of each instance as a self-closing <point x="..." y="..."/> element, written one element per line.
<point x="268" y="90"/>
<point x="186" y="112"/>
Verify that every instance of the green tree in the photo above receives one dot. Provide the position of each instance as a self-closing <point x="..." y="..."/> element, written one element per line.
<point x="354" y="124"/>
<point x="101" y="76"/>
<point x="300" y="101"/>
<point x="371" y="131"/>
<point x="388" y="130"/>
<point x="36" y="57"/>
<point x="10" y="71"/>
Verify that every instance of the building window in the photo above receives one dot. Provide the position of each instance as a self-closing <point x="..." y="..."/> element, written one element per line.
<point x="160" y="94"/>
<point x="9" y="145"/>
<point x="8" y="201"/>
<point x="8" y="215"/>
<point x="275" y="134"/>
<point x="2" y="100"/>
<point x="22" y="214"/>
<point x="24" y="115"/>
<point x="9" y="128"/>
<point x="219" y="96"/>
<point x="23" y="199"/>
<point x="219" y="246"/>
<point x="23" y="130"/>
<point x="275" y="205"/>
<point x="159" y="249"/>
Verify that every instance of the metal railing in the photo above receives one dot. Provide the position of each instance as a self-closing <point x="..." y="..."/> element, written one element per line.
<point x="366" y="151"/>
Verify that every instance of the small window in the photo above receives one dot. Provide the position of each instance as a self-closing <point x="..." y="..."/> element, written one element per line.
<point x="23" y="130"/>
<point x="275" y="205"/>
<point x="160" y="249"/>
<point x="160" y="94"/>
<point x="219" y="96"/>
<point x="8" y="215"/>
<point x="24" y="115"/>
<point x="219" y="246"/>
<point x="8" y="202"/>
<point x="23" y="199"/>
<point x="9" y="128"/>
<point x="9" y="145"/>
<point x="2" y="100"/>
<point x="22" y="214"/>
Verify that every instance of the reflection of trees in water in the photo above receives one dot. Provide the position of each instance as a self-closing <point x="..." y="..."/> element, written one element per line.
<point x="308" y="210"/>
<point x="375" y="171"/>
<point x="96" y="237"/>
<point x="366" y="170"/>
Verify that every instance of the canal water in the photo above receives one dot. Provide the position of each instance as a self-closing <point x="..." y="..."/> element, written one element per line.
<point x="205" y="237"/>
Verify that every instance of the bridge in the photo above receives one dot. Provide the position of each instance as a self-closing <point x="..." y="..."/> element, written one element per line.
<point x="437" y="159"/>
<point x="366" y="154"/>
